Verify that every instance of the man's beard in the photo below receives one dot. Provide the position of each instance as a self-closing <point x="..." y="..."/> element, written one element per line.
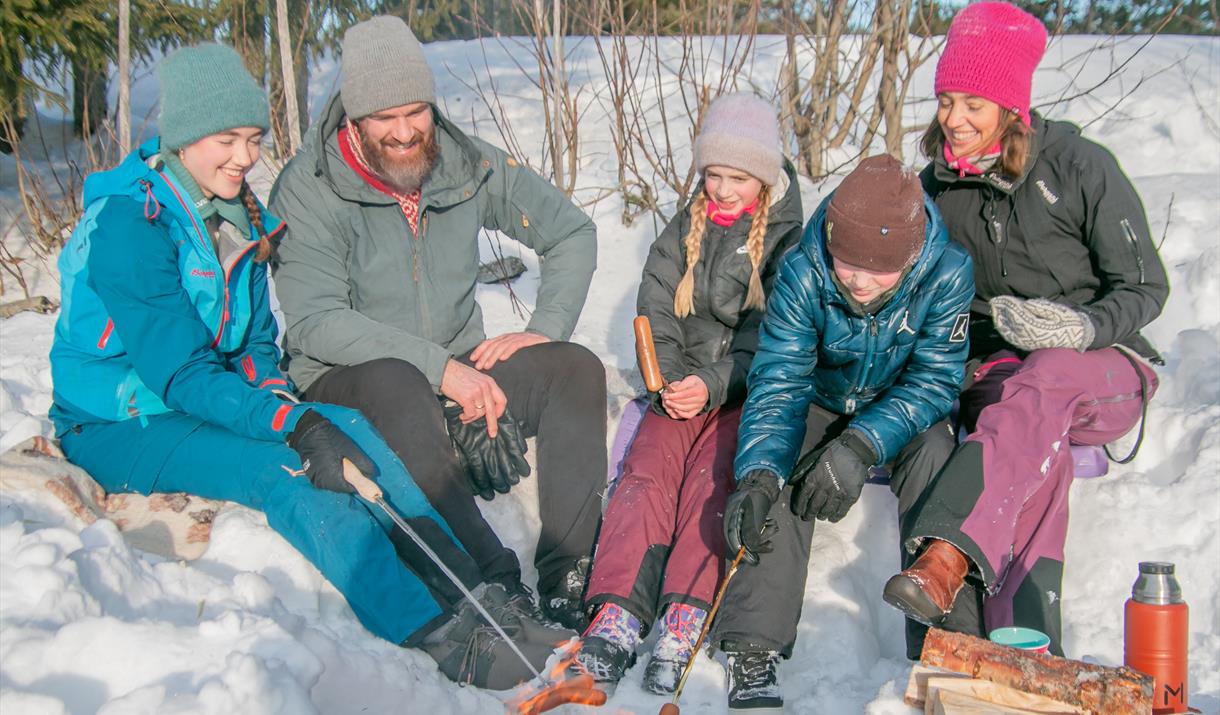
<point x="403" y="174"/>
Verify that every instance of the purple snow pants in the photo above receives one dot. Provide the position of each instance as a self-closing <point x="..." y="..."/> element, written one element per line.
<point x="662" y="539"/>
<point x="1003" y="496"/>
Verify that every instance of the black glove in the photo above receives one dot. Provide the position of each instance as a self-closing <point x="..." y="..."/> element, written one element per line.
<point x="745" y="514"/>
<point x="323" y="447"/>
<point x="830" y="480"/>
<point x="493" y="465"/>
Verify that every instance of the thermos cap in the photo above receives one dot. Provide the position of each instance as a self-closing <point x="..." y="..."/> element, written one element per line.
<point x="1156" y="567"/>
<point x="1156" y="584"/>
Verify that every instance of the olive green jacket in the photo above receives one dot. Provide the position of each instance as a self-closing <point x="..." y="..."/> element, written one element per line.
<point x="355" y="284"/>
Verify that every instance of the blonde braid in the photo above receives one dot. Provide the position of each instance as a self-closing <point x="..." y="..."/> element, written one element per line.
<point x="754" y="248"/>
<point x="263" y="252"/>
<point x="684" y="295"/>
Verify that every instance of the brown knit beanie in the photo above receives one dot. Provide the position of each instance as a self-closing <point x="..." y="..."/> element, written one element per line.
<point x="875" y="219"/>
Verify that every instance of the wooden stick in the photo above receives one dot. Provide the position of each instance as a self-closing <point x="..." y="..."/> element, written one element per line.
<point x="672" y="705"/>
<point x="1095" y="688"/>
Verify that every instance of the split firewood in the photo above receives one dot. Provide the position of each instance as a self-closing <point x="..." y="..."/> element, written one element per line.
<point x="968" y="696"/>
<point x="917" y="685"/>
<point x="1096" y="689"/>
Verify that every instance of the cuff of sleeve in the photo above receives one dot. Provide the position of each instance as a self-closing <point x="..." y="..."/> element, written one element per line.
<point x="434" y="367"/>
<point x="547" y="327"/>
<point x="860" y="442"/>
<point x="716" y="392"/>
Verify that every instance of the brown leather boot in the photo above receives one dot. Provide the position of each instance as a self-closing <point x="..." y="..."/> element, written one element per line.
<point x="925" y="591"/>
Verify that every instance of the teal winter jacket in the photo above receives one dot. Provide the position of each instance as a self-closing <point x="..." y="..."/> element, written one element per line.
<point x="896" y="372"/>
<point x="152" y="320"/>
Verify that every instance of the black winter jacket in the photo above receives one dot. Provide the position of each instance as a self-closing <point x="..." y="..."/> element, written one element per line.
<point x="1072" y="229"/>
<point x="717" y="341"/>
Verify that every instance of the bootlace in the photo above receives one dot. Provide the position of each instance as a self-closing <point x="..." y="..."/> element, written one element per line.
<point x="482" y="639"/>
<point x="755" y="670"/>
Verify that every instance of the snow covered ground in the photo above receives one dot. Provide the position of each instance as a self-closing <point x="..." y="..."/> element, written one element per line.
<point x="87" y="624"/>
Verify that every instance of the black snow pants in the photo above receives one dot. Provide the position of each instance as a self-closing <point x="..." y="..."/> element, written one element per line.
<point x="762" y="606"/>
<point x="556" y="390"/>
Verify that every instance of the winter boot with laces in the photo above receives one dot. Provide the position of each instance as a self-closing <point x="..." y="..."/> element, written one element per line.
<point x="754" y="683"/>
<point x="515" y="606"/>
<point x="565" y="603"/>
<point x="926" y="590"/>
<point x="607" y="649"/>
<point x="469" y="651"/>
<point x="680" y="628"/>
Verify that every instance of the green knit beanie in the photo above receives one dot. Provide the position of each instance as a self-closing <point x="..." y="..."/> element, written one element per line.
<point x="206" y="89"/>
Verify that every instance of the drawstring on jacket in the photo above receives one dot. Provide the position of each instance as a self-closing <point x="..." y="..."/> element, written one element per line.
<point x="149" y="199"/>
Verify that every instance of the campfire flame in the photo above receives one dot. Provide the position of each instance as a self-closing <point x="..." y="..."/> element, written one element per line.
<point x="563" y="687"/>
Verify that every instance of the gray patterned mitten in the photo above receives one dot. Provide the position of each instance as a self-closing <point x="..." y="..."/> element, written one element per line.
<point x="1040" y="323"/>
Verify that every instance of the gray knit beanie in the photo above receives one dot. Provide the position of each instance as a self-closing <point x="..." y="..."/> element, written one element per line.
<point x="740" y="131"/>
<point x="206" y="89"/>
<point x="383" y="66"/>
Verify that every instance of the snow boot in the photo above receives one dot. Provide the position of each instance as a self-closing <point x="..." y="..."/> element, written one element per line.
<point x="925" y="591"/>
<point x="675" y="647"/>
<point x="515" y="606"/>
<point x="565" y="604"/>
<point x="470" y="651"/>
<point x="608" y="647"/>
<point x="754" y="683"/>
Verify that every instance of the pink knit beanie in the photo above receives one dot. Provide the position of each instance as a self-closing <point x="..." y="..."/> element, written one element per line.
<point x="992" y="51"/>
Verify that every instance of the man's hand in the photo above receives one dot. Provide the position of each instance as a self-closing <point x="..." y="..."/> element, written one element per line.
<point x="476" y="392"/>
<point x="685" y="398"/>
<point x="745" y="515"/>
<point x="502" y="347"/>
<point x="829" y="481"/>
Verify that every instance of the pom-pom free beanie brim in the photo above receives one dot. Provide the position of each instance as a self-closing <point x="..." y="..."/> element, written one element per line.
<point x="206" y="89"/>
<point x="991" y="51"/>
<point x="383" y="66"/>
<point x="741" y="131"/>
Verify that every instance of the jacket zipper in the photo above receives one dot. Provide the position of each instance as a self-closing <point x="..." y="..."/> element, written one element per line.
<point x="416" y="245"/>
<point x="207" y="250"/>
<point x="850" y="404"/>
<point x="1135" y="246"/>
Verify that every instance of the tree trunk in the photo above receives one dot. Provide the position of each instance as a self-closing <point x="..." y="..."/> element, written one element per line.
<point x="124" y="105"/>
<point x="88" y="98"/>
<point x="292" y="112"/>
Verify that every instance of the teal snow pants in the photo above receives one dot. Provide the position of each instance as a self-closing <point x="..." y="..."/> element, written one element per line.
<point x="347" y="539"/>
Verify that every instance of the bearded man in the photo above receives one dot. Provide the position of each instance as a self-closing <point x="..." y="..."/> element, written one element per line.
<point x="376" y="278"/>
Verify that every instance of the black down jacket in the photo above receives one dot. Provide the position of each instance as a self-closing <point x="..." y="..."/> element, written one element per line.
<point x="717" y="341"/>
<point x="1072" y="229"/>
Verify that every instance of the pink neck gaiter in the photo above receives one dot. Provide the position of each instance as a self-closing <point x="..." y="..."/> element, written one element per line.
<point x="724" y="218"/>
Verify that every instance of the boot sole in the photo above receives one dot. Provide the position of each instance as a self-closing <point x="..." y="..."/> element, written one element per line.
<point x="903" y="594"/>
<point x="756" y="711"/>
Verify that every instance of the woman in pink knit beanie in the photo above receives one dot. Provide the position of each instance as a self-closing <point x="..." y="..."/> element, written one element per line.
<point x="1066" y="275"/>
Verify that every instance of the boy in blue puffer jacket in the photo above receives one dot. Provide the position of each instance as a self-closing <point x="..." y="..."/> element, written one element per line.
<point x="166" y="378"/>
<point x="860" y="356"/>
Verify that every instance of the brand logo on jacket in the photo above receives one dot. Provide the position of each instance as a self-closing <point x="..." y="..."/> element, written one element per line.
<point x="202" y="274"/>
<point x="742" y="249"/>
<point x="960" y="324"/>
<point x="1047" y="194"/>
<point x="905" y="327"/>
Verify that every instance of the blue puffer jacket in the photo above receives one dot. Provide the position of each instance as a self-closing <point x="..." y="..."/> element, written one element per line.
<point x="897" y="371"/>
<point x="153" y="321"/>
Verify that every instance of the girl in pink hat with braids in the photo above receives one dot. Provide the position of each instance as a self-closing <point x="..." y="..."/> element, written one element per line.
<point x="1066" y="275"/>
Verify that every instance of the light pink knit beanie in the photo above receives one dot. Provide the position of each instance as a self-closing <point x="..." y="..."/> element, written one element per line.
<point x="992" y="51"/>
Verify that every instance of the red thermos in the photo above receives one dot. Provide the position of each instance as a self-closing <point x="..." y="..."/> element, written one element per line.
<point x="1155" y="631"/>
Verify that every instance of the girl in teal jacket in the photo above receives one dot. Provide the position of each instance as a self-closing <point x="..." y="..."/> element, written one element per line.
<point x="166" y="373"/>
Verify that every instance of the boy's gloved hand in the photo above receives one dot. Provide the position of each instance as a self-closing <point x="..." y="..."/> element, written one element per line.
<point x="492" y="465"/>
<point x="830" y="480"/>
<point x="323" y="447"/>
<point x="745" y="514"/>
<point x="1040" y="323"/>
